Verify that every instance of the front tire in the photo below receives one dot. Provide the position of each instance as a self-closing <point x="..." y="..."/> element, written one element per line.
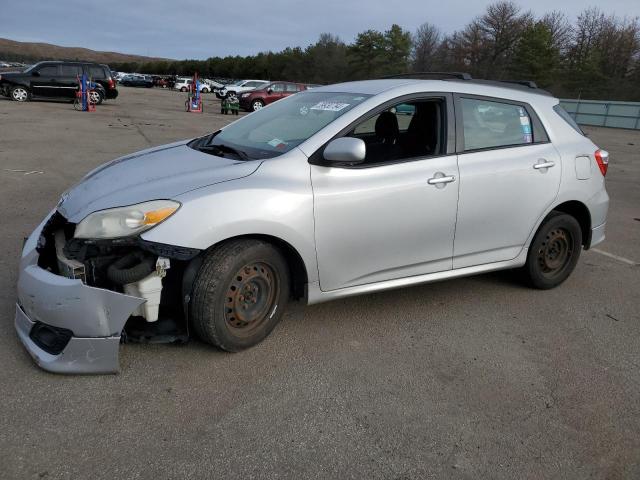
<point x="257" y="105"/>
<point x="239" y="294"/>
<point x="183" y="89"/>
<point x="554" y="251"/>
<point x="19" y="94"/>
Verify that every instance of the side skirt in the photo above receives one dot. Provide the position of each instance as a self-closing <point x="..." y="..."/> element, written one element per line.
<point x="316" y="295"/>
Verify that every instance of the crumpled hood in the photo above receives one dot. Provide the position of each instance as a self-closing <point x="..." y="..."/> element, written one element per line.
<point x="157" y="173"/>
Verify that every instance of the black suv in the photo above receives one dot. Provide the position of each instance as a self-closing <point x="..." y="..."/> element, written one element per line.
<point x="57" y="80"/>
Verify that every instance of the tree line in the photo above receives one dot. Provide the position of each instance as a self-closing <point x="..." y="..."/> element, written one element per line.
<point x="597" y="56"/>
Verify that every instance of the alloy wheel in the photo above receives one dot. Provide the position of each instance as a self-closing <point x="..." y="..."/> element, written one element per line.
<point x="20" y="94"/>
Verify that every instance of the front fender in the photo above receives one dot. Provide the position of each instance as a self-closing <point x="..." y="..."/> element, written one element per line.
<point x="277" y="200"/>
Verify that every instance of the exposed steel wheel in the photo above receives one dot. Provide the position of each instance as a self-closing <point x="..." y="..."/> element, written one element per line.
<point x="250" y="298"/>
<point x="554" y="251"/>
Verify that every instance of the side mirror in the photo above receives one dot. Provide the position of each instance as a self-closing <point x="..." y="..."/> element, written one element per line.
<point x="35" y="74"/>
<point x="270" y="91"/>
<point x="345" y="150"/>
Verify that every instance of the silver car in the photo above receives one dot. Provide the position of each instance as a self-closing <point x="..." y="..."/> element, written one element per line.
<point x="342" y="190"/>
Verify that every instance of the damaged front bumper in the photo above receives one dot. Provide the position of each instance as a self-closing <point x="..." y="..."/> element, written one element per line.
<point x="67" y="326"/>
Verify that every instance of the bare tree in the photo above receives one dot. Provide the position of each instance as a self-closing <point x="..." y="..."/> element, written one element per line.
<point x="560" y="29"/>
<point x="426" y="41"/>
<point x="501" y="25"/>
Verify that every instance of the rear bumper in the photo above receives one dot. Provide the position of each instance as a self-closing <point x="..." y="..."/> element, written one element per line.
<point x="597" y="235"/>
<point x="94" y="316"/>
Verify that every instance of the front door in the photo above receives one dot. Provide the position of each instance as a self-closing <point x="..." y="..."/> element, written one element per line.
<point x="509" y="176"/>
<point x="275" y="92"/>
<point x="44" y="81"/>
<point x="394" y="215"/>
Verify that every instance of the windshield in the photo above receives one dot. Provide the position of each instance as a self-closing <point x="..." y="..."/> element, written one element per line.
<point x="282" y="126"/>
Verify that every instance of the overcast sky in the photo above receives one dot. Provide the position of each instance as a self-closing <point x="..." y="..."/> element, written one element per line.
<point x="204" y="28"/>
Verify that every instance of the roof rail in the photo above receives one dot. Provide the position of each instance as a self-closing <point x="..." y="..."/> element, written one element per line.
<point x="526" y="83"/>
<point x="437" y="75"/>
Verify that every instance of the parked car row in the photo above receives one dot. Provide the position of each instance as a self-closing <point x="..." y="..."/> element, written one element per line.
<point x="136" y="80"/>
<point x="60" y="79"/>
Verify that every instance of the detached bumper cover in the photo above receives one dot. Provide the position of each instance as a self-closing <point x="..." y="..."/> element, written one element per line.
<point x="95" y="316"/>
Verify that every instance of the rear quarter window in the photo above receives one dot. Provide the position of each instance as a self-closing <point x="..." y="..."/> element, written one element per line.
<point x="567" y="118"/>
<point x="97" y="72"/>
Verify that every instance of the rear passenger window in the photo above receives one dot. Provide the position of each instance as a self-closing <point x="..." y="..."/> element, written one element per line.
<point x="97" y="73"/>
<point x="48" y="71"/>
<point x="489" y="124"/>
<point x="290" y="87"/>
<point x="70" y="70"/>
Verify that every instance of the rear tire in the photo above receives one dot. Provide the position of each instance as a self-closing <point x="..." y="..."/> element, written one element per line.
<point x="239" y="294"/>
<point x="20" y="94"/>
<point x="554" y="251"/>
<point x="183" y="89"/>
<point x="96" y="97"/>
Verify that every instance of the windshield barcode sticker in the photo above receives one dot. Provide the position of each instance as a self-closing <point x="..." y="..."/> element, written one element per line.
<point x="329" y="106"/>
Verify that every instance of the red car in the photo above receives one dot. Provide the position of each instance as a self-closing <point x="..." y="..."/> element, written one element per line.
<point x="256" y="99"/>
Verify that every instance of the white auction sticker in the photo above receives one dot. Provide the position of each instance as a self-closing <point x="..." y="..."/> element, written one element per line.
<point x="329" y="106"/>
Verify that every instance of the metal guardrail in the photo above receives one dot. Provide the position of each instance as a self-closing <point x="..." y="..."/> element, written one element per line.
<point x="602" y="113"/>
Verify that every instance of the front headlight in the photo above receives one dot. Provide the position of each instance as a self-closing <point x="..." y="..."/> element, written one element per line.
<point x="125" y="221"/>
<point x="245" y="95"/>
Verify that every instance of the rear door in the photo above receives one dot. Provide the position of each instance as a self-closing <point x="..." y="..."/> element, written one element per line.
<point x="68" y="80"/>
<point x="509" y="176"/>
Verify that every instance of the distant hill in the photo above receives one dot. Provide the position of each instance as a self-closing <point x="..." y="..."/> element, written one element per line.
<point x="11" y="50"/>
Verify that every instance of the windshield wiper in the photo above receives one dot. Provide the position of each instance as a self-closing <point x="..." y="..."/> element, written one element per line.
<point x="220" y="150"/>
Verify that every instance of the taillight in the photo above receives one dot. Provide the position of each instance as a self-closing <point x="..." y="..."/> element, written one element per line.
<point x="112" y="83"/>
<point x="602" y="157"/>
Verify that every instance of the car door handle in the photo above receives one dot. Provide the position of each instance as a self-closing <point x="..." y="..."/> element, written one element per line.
<point x="440" y="180"/>
<point x="543" y="164"/>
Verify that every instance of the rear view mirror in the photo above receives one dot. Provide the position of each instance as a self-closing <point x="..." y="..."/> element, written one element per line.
<point x="345" y="150"/>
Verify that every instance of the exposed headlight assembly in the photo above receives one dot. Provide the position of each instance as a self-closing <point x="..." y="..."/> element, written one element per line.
<point x="125" y="221"/>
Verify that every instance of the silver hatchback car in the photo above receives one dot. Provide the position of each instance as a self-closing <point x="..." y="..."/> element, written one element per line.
<point x="337" y="191"/>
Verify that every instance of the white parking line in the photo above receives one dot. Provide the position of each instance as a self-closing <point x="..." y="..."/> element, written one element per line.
<point x="616" y="257"/>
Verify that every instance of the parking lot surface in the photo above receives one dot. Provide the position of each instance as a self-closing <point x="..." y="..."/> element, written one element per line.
<point x="471" y="378"/>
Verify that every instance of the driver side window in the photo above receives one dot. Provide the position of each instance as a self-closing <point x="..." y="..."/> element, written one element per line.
<point x="406" y="130"/>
